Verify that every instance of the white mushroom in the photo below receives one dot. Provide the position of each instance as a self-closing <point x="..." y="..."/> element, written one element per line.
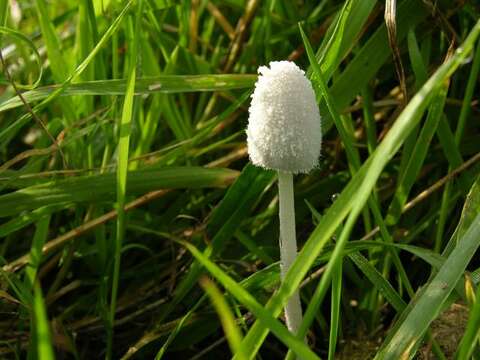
<point x="284" y="134"/>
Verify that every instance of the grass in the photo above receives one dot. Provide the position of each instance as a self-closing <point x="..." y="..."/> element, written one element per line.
<point x="134" y="226"/>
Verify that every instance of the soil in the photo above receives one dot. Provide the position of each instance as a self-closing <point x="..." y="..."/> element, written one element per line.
<point x="447" y="330"/>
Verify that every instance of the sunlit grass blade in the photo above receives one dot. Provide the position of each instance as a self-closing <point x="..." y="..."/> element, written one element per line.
<point x="230" y="328"/>
<point x="147" y="85"/>
<point x="335" y="310"/>
<point x="122" y="169"/>
<point x="418" y="155"/>
<point x="43" y="338"/>
<point x="59" y="64"/>
<point x="39" y="239"/>
<point x="342" y="34"/>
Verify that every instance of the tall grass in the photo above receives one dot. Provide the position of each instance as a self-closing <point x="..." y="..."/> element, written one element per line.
<point x="133" y="225"/>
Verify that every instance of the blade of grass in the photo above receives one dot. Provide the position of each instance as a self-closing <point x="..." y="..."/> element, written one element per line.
<point x="249" y="243"/>
<point x="58" y="63"/>
<point x="19" y="222"/>
<point x="39" y="239"/>
<point x="379" y="281"/>
<point x="418" y="156"/>
<point x="335" y="310"/>
<point x="368" y="115"/>
<point x="466" y="103"/>
<point x="42" y="332"/>
<point x="122" y="168"/>
<point x="342" y="34"/>
<point x="416" y="60"/>
<point x="146" y="85"/>
<point x="172" y="335"/>
<point x="80" y="189"/>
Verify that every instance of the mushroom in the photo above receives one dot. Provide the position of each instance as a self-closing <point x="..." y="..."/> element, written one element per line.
<point x="284" y="134"/>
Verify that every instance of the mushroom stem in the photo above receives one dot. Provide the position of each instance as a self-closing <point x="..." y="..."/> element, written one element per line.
<point x="288" y="245"/>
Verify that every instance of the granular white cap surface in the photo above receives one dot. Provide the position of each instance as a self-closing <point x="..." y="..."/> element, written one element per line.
<point x="284" y="130"/>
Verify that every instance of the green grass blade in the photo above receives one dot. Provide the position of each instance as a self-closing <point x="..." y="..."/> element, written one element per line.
<point x="466" y="103"/>
<point x="173" y="334"/>
<point x="343" y="32"/>
<point x="335" y="310"/>
<point x="368" y="115"/>
<point x="42" y="329"/>
<point x="19" y="222"/>
<point x="147" y="85"/>
<point x="378" y="281"/>
<point x="470" y="210"/>
<point x="416" y="60"/>
<point x="227" y="319"/>
<point x="59" y="65"/>
<point x="3" y="11"/>
<point x="122" y="169"/>
<point x="249" y="243"/>
<point x="333" y="111"/>
<point x="80" y="189"/>
<point x="417" y="158"/>
<point x="39" y="239"/>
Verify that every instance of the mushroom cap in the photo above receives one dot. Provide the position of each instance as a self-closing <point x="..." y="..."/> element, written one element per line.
<point x="284" y="129"/>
